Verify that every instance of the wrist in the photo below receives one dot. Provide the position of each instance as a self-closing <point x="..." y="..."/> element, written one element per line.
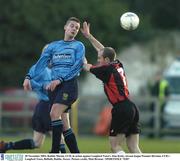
<point x="60" y="79"/>
<point x="89" y="36"/>
<point x="27" y="77"/>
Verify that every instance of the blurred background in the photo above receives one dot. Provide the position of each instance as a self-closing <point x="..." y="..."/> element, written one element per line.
<point x="150" y="54"/>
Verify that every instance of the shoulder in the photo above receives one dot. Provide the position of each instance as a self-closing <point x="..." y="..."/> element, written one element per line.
<point x="51" y="45"/>
<point x="79" y="43"/>
<point x="116" y="63"/>
<point x="103" y="67"/>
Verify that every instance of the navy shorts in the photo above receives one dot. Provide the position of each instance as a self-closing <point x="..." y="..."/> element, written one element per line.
<point x="41" y="121"/>
<point x="125" y="119"/>
<point x="65" y="93"/>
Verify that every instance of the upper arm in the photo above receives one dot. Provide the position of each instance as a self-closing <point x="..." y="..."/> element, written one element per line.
<point x="101" y="72"/>
<point x="80" y="51"/>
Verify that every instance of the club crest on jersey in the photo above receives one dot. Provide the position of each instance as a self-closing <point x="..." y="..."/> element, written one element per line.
<point x="65" y="96"/>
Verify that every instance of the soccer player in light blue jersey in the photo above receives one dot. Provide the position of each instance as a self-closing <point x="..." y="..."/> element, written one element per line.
<point x="41" y="121"/>
<point x="67" y="57"/>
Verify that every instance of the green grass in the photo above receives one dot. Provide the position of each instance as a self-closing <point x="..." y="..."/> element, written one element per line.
<point x="101" y="145"/>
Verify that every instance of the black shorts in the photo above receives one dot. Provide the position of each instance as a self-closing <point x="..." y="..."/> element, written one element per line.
<point x="65" y="93"/>
<point x="41" y="121"/>
<point x="125" y="119"/>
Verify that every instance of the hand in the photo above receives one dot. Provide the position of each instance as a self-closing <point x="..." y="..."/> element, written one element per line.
<point x="27" y="85"/>
<point x="47" y="87"/>
<point x="87" y="67"/>
<point x="53" y="85"/>
<point x="86" y="29"/>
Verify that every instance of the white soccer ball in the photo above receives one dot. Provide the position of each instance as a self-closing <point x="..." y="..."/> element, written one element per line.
<point x="129" y="21"/>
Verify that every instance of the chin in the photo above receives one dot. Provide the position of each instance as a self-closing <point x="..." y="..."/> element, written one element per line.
<point x="71" y="36"/>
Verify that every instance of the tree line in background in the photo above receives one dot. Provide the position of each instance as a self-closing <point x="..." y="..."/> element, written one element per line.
<point x="27" y="25"/>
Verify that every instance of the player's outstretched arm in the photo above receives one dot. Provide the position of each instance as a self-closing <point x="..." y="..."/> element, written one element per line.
<point x="86" y="32"/>
<point x="87" y="67"/>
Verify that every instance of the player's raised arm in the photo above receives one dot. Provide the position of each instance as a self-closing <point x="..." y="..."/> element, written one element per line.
<point x="86" y="32"/>
<point x="87" y="67"/>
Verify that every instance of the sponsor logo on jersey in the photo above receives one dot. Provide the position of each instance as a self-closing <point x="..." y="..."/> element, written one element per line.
<point x="62" y="56"/>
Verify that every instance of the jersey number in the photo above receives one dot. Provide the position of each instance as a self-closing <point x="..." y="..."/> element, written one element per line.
<point x="121" y="72"/>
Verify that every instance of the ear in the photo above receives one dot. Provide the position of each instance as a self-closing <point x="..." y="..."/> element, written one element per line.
<point x="107" y="60"/>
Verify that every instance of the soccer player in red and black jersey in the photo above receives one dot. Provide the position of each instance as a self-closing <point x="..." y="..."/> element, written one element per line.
<point x="125" y="115"/>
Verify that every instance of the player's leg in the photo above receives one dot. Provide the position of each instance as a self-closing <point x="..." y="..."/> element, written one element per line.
<point x="62" y="148"/>
<point x="117" y="128"/>
<point x="36" y="142"/>
<point x="55" y="115"/>
<point x="56" y="122"/>
<point x="57" y="125"/>
<point x="51" y="96"/>
<point x="38" y="139"/>
<point x="62" y="145"/>
<point x="69" y="135"/>
<point x="41" y="122"/>
<point x="66" y="94"/>
<point x="116" y="143"/>
<point x="17" y="145"/>
<point x="133" y="143"/>
<point x="37" y="127"/>
<point x="132" y="139"/>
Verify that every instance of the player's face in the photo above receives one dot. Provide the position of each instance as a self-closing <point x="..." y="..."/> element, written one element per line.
<point x="100" y="58"/>
<point x="71" y="29"/>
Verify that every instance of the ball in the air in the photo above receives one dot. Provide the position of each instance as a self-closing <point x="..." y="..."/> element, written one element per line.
<point x="129" y="21"/>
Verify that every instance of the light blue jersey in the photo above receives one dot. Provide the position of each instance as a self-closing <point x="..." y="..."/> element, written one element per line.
<point x="39" y="82"/>
<point x="66" y="58"/>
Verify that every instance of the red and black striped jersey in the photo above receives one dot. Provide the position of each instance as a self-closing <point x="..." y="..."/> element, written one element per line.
<point x="114" y="79"/>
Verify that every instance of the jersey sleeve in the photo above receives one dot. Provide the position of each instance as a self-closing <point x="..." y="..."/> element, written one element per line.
<point x="36" y="86"/>
<point x="42" y="63"/>
<point x="101" y="72"/>
<point x="76" y="68"/>
<point x="31" y="71"/>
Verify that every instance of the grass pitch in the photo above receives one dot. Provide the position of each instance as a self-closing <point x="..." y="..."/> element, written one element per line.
<point x="101" y="145"/>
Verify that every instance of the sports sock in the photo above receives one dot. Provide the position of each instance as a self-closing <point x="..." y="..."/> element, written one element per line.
<point x="22" y="144"/>
<point x="62" y="148"/>
<point x="57" y="127"/>
<point x="70" y="140"/>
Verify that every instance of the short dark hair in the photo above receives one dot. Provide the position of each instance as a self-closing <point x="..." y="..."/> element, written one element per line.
<point x="109" y="52"/>
<point x="73" y="19"/>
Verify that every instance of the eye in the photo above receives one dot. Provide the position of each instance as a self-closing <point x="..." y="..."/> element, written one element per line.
<point x="72" y="25"/>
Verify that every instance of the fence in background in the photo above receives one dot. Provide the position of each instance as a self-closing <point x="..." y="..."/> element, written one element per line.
<point x="16" y="113"/>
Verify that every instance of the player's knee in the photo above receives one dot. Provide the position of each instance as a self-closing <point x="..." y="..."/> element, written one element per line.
<point x="38" y="144"/>
<point x="66" y="126"/>
<point x="54" y="115"/>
